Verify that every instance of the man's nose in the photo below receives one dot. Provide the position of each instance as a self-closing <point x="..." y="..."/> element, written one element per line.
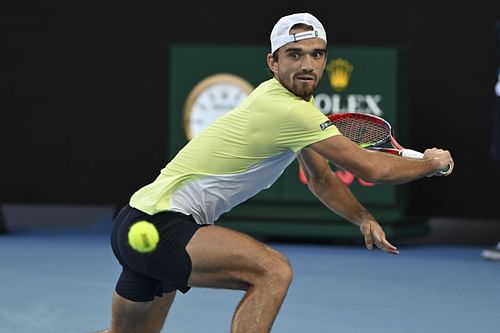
<point x="307" y="63"/>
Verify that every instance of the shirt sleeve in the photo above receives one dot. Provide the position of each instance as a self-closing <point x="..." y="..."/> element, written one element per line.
<point x="304" y="125"/>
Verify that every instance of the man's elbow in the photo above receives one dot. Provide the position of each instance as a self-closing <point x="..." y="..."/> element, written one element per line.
<point x="377" y="175"/>
<point x="319" y="178"/>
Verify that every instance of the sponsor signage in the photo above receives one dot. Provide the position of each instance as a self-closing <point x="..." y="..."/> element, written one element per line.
<point x="207" y="80"/>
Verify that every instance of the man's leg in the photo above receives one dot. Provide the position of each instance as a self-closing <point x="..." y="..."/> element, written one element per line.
<point x="224" y="258"/>
<point x="139" y="317"/>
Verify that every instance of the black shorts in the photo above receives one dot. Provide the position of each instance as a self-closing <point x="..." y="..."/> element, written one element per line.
<point x="167" y="268"/>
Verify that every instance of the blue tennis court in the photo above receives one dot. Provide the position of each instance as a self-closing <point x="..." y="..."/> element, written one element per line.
<point x="61" y="280"/>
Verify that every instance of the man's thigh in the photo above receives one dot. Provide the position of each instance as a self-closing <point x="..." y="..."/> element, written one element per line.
<point x="225" y="258"/>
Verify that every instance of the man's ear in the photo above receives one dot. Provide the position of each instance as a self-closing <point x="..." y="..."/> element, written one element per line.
<point x="271" y="63"/>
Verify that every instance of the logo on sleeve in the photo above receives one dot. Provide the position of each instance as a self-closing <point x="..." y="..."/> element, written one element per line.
<point x="325" y="125"/>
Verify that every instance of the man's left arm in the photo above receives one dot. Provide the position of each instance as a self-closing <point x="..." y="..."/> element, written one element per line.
<point x="337" y="196"/>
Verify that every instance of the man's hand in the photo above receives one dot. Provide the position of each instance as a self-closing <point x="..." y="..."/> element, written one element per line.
<point x="443" y="157"/>
<point x="374" y="234"/>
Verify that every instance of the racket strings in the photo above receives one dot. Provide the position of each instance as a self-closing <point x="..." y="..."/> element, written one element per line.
<point x="363" y="132"/>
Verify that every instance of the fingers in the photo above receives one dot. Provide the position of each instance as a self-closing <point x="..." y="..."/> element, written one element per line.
<point x="444" y="158"/>
<point x="374" y="234"/>
<point x="388" y="247"/>
<point x="366" y="231"/>
<point x="449" y="170"/>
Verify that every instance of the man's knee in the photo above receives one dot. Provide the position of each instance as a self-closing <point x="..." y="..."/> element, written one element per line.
<point x="279" y="271"/>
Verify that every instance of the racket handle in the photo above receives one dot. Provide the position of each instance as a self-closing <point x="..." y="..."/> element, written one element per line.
<point x="410" y="153"/>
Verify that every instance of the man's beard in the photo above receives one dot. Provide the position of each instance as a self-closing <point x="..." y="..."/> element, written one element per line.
<point x="305" y="91"/>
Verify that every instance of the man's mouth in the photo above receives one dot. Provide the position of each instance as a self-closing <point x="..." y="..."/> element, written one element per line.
<point x="305" y="77"/>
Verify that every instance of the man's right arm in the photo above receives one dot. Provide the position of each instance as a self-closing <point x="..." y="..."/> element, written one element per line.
<point x="380" y="167"/>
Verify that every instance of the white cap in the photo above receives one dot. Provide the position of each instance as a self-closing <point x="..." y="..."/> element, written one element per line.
<point x="280" y="35"/>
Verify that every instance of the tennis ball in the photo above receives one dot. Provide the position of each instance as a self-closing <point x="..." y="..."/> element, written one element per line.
<point x="143" y="236"/>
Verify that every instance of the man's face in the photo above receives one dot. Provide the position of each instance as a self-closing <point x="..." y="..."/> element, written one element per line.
<point x="300" y="65"/>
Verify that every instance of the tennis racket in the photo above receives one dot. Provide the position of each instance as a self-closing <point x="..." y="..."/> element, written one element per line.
<point x="373" y="132"/>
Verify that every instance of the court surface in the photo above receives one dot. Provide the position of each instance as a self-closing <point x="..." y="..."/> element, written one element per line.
<point x="62" y="280"/>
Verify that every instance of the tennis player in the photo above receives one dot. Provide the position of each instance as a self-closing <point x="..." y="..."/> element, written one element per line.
<point x="240" y="154"/>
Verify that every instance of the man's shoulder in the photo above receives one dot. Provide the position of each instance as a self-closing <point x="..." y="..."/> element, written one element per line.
<point x="273" y="91"/>
<point x="268" y="84"/>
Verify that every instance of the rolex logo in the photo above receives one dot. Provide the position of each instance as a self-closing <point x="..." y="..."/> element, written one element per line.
<point x="339" y="71"/>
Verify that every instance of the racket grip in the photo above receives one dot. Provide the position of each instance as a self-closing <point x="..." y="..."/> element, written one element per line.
<point x="410" y="153"/>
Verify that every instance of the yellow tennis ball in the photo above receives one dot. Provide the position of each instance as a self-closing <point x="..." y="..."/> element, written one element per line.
<point x="143" y="236"/>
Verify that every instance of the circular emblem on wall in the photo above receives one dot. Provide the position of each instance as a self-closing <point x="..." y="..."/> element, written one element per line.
<point x="211" y="98"/>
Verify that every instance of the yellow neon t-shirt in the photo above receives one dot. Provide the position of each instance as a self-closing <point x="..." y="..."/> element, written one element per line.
<point x="237" y="156"/>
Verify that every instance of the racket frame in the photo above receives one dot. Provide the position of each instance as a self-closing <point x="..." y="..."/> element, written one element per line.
<point x="388" y="138"/>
